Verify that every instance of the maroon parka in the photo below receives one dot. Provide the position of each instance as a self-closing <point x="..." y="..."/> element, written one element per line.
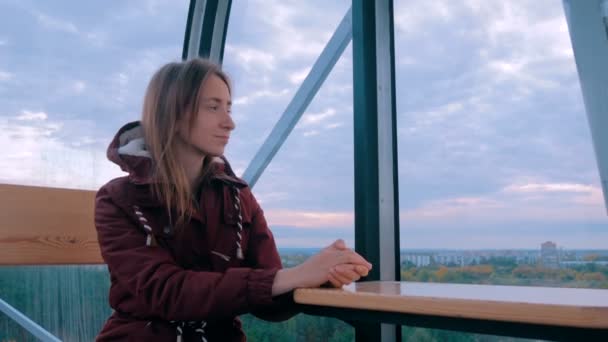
<point x="167" y="282"/>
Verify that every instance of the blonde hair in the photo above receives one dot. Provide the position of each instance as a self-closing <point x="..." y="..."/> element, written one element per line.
<point x="173" y="95"/>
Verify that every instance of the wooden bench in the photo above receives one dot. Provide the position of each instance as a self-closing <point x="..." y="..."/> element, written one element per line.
<point x="46" y="226"/>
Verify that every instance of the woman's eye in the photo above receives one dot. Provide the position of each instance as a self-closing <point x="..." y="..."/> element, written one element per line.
<point x="214" y="108"/>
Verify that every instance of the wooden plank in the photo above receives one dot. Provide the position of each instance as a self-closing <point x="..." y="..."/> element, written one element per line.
<point x="42" y="226"/>
<point x="569" y="307"/>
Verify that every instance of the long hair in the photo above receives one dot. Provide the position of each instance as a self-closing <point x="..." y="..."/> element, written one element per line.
<point x="173" y="95"/>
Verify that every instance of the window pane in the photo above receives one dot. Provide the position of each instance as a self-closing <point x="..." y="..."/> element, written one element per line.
<point x="11" y="331"/>
<point x="307" y="190"/>
<point x="70" y="302"/>
<point x="70" y="75"/>
<point x="498" y="180"/>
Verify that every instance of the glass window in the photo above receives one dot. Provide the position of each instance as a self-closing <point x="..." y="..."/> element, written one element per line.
<point x="497" y="176"/>
<point x="70" y="302"/>
<point x="70" y="76"/>
<point x="498" y="180"/>
<point x="307" y="190"/>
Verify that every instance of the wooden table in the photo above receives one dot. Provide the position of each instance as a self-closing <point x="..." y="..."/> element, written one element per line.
<point x="539" y="312"/>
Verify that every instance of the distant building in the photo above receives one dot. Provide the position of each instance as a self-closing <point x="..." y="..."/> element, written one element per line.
<point x="549" y="255"/>
<point x="449" y="259"/>
<point x="418" y="259"/>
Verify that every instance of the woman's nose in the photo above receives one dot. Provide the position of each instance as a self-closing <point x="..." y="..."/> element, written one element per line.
<point x="229" y="123"/>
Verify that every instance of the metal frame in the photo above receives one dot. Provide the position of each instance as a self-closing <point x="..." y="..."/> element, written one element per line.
<point x="29" y="325"/>
<point x="206" y="29"/>
<point x="376" y="176"/>
<point x="307" y="91"/>
<point x="588" y="26"/>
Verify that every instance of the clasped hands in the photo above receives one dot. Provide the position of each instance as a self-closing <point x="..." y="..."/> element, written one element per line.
<point x="336" y="264"/>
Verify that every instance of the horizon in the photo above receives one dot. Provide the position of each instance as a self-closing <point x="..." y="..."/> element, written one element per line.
<point x="464" y="249"/>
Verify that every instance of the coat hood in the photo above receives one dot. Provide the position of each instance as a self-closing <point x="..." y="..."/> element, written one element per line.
<point x="128" y="150"/>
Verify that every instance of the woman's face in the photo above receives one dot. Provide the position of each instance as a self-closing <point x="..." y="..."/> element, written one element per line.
<point x="211" y="127"/>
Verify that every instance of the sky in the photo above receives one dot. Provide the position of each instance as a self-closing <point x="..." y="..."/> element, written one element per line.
<point x="494" y="146"/>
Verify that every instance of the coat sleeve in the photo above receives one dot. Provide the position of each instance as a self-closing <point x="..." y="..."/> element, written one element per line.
<point x="153" y="285"/>
<point x="265" y="255"/>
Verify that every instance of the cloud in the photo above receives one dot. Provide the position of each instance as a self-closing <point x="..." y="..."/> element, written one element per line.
<point x="146" y="9"/>
<point x="96" y="37"/>
<point x="252" y="59"/>
<point x="550" y="187"/>
<point x="311" y="133"/>
<point x="299" y="76"/>
<point x="27" y="115"/>
<point x="443" y="210"/>
<point x="258" y="95"/>
<point x="79" y="86"/>
<point x="515" y="39"/>
<point x="5" y="76"/>
<point x="268" y="196"/>
<point x="310" y="242"/>
<point x="334" y="125"/>
<point x="85" y="141"/>
<point x="309" y="219"/>
<point x="481" y="209"/>
<point x="284" y="20"/>
<point x="314" y="123"/>
<point x="38" y="155"/>
<point x="57" y="24"/>
<point x="309" y="119"/>
<point x="519" y="71"/>
<point x="410" y="17"/>
<point x="574" y="194"/>
<point x="548" y="202"/>
<point x="335" y="88"/>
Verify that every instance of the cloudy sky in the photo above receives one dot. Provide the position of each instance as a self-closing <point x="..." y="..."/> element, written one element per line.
<point x="494" y="144"/>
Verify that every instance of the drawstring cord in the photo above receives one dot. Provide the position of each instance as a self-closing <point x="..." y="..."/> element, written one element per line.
<point x="198" y="327"/>
<point x="150" y="240"/>
<point x="239" y="223"/>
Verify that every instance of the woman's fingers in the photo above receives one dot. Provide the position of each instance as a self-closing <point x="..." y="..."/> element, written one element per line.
<point x="347" y="255"/>
<point x="351" y="257"/>
<point x="347" y="272"/>
<point x="342" y="279"/>
<point x="335" y="282"/>
<point x="363" y="271"/>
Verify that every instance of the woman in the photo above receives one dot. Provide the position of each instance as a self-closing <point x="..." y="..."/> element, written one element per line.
<point x="185" y="241"/>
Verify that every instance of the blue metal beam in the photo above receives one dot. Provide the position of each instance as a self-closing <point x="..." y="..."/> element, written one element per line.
<point x="27" y="323"/>
<point x="307" y="91"/>
<point x="588" y="25"/>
